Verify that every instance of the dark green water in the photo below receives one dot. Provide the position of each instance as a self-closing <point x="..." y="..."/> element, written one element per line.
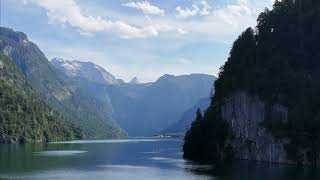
<point x="143" y="159"/>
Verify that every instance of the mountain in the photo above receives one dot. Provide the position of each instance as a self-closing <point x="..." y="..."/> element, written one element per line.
<point x="33" y="64"/>
<point x="24" y="116"/>
<point x="134" y="81"/>
<point x="267" y="96"/>
<point x="187" y="117"/>
<point x="85" y="70"/>
<point x="76" y="104"/>
<point x="144" y="109"/>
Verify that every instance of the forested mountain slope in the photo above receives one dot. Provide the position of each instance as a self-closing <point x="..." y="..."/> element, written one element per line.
<point x="24" y="115"/>
<point x="266" y="101"/>
<point x="76" y="104"/>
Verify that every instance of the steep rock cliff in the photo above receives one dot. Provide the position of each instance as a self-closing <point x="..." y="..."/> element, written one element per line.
<point x="268" y="91"/>
<point x="250" y="140"/>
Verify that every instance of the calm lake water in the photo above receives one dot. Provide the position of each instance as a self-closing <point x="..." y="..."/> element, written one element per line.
<point x="132" y="159"/>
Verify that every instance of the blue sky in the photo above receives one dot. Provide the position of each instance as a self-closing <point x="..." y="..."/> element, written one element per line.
<point x="143" y="38"/>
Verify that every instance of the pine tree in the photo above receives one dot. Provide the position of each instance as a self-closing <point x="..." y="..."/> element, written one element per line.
<point x="278" y="61"/>
<point x="193" y="138"/>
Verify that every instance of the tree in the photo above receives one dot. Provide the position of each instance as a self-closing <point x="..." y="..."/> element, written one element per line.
<point x="278" y="62"/>
<point x="193" y="140"/>
<point x="24" y="115"/>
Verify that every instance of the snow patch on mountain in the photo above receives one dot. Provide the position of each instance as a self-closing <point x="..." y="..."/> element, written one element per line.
<point x="85" y="70"/>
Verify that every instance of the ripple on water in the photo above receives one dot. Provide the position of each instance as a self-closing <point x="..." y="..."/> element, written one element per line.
<point x="58" y="153"/>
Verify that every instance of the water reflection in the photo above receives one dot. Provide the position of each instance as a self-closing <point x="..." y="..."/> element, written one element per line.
<point x="150" y="159"/>
<point x="58" y="153"/>
<point x="250" y="170"/>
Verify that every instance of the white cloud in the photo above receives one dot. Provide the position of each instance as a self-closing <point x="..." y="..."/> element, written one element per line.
<point x="202" y="8"/>
<point x="145" y="7"/>
<point x="205" y="8"/>
<point x="68" y="12"/>
<point x="186" y="13"/>
<point x="149" y="72"/>
<point x="226" y="22"/>
<point x="222" y="24"/>
<point x="182" y="31"/>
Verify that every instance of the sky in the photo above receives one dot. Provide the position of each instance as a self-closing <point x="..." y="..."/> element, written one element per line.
<point x="135" y="38"/>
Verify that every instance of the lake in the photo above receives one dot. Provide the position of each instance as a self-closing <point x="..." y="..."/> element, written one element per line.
<point x="129" y="159"/>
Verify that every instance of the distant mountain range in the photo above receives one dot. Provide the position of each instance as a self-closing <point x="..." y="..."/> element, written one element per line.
<point x="141" y="108"/>
<point x="101" y="105"/>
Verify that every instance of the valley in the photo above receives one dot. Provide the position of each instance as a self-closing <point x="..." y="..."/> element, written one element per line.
<point x="160" y="89"/>
<point x="101" y="105"/>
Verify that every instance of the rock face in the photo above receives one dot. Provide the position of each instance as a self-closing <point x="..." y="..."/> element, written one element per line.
<point x="245" y="114"/>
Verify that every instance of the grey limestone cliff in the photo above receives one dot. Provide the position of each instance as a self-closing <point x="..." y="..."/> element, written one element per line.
<point x="251" y="141"/>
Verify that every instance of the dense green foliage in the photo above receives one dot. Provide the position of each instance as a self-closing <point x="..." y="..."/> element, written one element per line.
<point x="24" y="117"/>
<point x="204" y="141"/>
<point x="280" y="62"/>
<point x="79" y="107"/>
<point x="193" y="138"/>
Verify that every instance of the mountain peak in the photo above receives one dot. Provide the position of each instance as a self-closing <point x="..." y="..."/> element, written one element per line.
<point x="58" y="60"/>
<point x="134" y="81"/>
<point x="85" y="70"/>
<point x="13" y="35"/>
